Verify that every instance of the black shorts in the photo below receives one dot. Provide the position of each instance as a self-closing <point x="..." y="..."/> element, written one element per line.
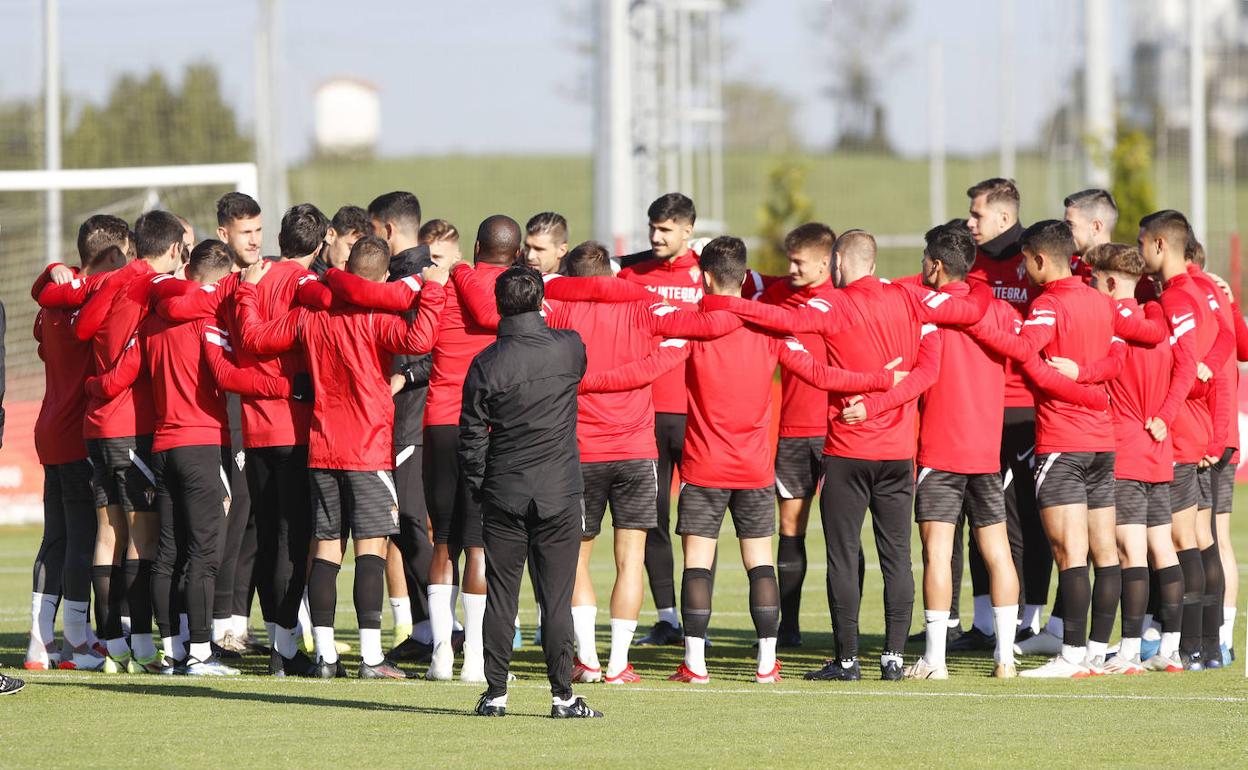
<point x="359" y="504"/>
<point x="1204" y="485"/>
<point x="121" y="472"/>
<point x="455" y="515"/>
<point x="630" y="486"/>
<point x="1224" y="489"/>
<point x="799" y="467"/>
<point x="1142" y="502"/>
<point x="1073" y="478"/>
<point x="1185" y="489"/>
<point x="700" y="511"/>
<point x="939" y="496"/>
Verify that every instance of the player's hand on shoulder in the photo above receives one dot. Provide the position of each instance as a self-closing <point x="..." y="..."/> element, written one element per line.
<point x="436" y="274"/>
<point x="61" y="274"/>
<point x="253" y="274"/>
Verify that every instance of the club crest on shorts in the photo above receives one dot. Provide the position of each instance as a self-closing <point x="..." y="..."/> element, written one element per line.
<point x="149" y="494"/>
<point x="394" y="514"/>
<point x="225" y="503"/>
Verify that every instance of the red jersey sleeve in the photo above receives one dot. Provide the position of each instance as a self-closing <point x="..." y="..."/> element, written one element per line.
<point x="1057" y="386"/>
<point x="1221" y="401"/>
<point x="826" y="315"/>
<point x="1036" y="332"/>
<point x="922" y="376"/>
<point x="125" y="371"/>
<point x="311" y="292"/>
<point x="671" y="321"/>
<point x="45" y="280"/>
<point x="1178" y="305"/>
<point x="192" y="305"/>
<point x="396" y="296"/>
<point x="1139" y="327"/>
<point x="929" y="306"/>
<point x="477" y="297"/>
<point x="398" y="336"/>
<point x="795" y="358"/>
<point x="229" y="376"/>
<point x="1109" y="367"/>
<point x="93" y="313"/>
<point x="636" y="374"/>
<point x="596" y="288"/>
<point x="1224" y="345"/>
<point x="1241" y="334"/>
<point x="259" y="336"/>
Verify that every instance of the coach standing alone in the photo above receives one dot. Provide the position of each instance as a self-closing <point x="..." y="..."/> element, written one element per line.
<point x="517" y="447"/>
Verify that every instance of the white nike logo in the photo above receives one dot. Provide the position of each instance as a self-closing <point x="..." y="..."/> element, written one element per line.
<point x="1178" y="319"/>
<point x="1025" y="455"/>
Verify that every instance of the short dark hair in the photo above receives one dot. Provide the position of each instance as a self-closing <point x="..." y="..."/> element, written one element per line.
<point x="954" y="246"/>
<point x="1100" y="203"/>
<point x="210" y="258"/>
<point x="400" y="207"/>
<point x="674" y="206"/>
<point x="303" y="231"/>
<point x="369" y="258"/>
<point x="1050" y="237"/>
<point x="437" y="230"/>
<point x="519" y="290"/>
<point x="351" y="219"/>
<point x="548" y="223"/>
<point x="725" y="259"/>
<point x="1194" y="252"/>
<point x="1169" y="224"/>
<point x="1115" y="258"/>
<point x="100" y="232"/>
<point x="812" y="235"/>
<point x="236" y="205"/>
<point x="587" y="259"/>
<point x="155" y="232"/>
<point x="995" y="190"/>
<point x="499" y="237"/>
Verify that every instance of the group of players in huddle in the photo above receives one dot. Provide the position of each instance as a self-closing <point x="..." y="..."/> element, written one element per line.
<point x="218" y="424"/>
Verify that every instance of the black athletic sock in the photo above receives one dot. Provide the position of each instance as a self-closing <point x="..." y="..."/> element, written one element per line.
<point x="1170" y="598"/>
<point x="370" y="577"/>
<point x="791" y="571"/>
<point x="764" y="601"/>
<point x="101" y="585"/>
<point x="1076" y="597"/>
<point x="139" y="592"/>
<point x="1215" y="586"/>
<point x="1193" y="598"/>
<point x="1134" y="600"/>
<point x="1106" y="592"/>
<point x="1154" y="593"/>
<point x="695" y="601"/>
<point x="323" y="592"/>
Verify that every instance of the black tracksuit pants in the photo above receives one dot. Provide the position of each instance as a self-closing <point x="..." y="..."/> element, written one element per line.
<point x="283" y="516"/>
<point x="669" y="433"/>
<point x="413" y="540"/>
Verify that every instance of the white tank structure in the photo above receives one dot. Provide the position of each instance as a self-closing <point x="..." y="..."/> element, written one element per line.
<point x="348" y="117"/>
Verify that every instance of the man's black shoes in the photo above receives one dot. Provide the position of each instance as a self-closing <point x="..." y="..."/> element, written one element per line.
<point x="836" y="671"/>
<point x="10" y="685"/>
<point x="890" y="671"/>
<point x="973" y="640"/>
<point x="662" y="633"/>
<point x="578" y="709"/>
<point x="411" y="651"/>
<point x="333" y="670"/>
<point x="484" y="709"/>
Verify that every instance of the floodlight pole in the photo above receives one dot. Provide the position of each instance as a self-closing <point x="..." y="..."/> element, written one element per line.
<point x="1007" y="88"/>
<point x="273" y="193"/>
<point x="613" y="171"/>
<point x="1098" y="88"/>
<point x="52" y="125"/>
<point x="1198" y="169"/>
<point x="936" y="134"/>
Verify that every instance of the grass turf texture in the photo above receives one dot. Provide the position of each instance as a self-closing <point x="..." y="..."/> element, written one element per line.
<point x="66" y="719"/>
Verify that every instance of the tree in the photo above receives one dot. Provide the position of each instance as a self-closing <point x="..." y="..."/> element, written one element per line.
<point x="1131" y="171"/>
<point x="858" y="39"/>
<point x="758" y="117"/>
<point x="787" y="205"/>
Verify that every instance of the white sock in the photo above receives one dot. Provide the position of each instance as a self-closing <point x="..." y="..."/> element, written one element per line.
<point x="1031" y="617"/>
<point x="669" y="614"/>
<point x="539" y="616"/>
<point x="184" y="629"/>
<point x="238" y="624"/>
<point x="695" y="655"/>
<point x="1151" y="626"/>
<point x="441" y="614"/>
<point x="583" y="618"/>
<point x="1005" y="619"/>
<point x="92" y="639"/>
<point x="125" y="625"/>
<point x="1129" y="648"/>
<point x="219" y="627"/>
<point x="201" y="651"/>
<point x="370" y="646"/>
<point x="75" y="620"/>
<point x="937" y="627"/>
<point x="1055" y="626"/>
<point x="284" y="642"/>
<point x="954" y="622"/>
<point x="1097" y="649"/>
<point x="1227" y="631"/>
<point x="1169" y="643"/>
<point x="117" y="648"/>
<point x="500" y="700"/>
<point x="1074" y="655"/>
<point x="568" y="701"/>
<point x="304" y="625"/>
<point x="766" y="655"/>
<point x="422" y="632"/>
<point x="174" y="649"/>
<point x="474" y="621"/>
<point x="455" y="624"/>
<point x="323" y="636"/>
<point x="983" y="614"/>
<point x="271" y="630"/>
<point x="621" y="637"/>
<point x="43" y="617"/>
<point x="143" y="645"/>
<point x="401" y="610"/>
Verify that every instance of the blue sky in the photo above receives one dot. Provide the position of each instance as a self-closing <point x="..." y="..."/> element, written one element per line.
<point x="478" y="76"/>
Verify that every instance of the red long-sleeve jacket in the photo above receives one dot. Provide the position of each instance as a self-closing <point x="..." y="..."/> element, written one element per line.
<point x="349" y="353"/>
<point x="1225" y="398"/>
<point x="67" y="364"/>
<point x="1194" y="332"/>
<point x="1136" y="396"/>
<point x="679" y="281"/>
<point x="803" y="409"/>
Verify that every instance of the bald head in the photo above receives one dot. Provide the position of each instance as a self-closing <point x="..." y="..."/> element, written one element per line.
<point x="498" y="240"/>
<point x="855" y="256"/>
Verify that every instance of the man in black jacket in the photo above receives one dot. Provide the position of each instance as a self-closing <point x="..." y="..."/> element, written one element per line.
<point x="517" y="448"/>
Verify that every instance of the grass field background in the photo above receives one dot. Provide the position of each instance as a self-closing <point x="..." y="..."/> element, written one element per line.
<point x="72" y="719"/>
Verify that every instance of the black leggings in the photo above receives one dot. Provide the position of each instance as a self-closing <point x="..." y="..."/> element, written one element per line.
<point x="413" y="540"/>
<point x="234" y="529"/>
<point x="283" y="515"/>
<point x="669" y="433"/>
<point x="63" y="564"/>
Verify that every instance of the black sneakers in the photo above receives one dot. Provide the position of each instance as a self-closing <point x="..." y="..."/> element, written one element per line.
<point x="298" y="665"/>
<point x="578" y="710"/>
<point x="836" y="671"/>
<point x="383" y="670"/>
<point x="9" y="685"/>
<point x="662" y="633"/>
<point x="411" y="651"/>
<point x="787" y="639"/>
<point x="973" y="640"/>
<point x="891" y="671"/>
<point x="484" y="709"/>
<point x="333" y="670"/>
